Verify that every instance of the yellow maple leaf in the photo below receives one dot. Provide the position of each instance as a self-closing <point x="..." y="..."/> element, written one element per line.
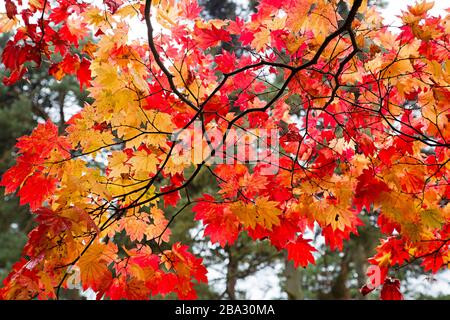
<point x="332" y="213"/>
<point x="384" y="260"/>
<point x="36" y="3"/>
<point x="166" y="14"/>
<point x="94" y="263"/>
<point x="432" y="218"/>
<point x="298" y="15"/>
<point x="143" y="164"/>
<point x="117" y="165"/>
<point x="158" y="229"/>
<point x="277" y="23"/>
<point x="95" y="16"/>
<point x="135" y="225"/>
<point x="420" y="9"/>
<point x="261" y="39"/>
<point x="263" y="212"/>
<point x="128" y="11"/>
<point x="397" y="68"/>
<point x="6" y="24"/>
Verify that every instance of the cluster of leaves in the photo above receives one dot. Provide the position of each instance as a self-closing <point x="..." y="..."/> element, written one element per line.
<point x="362" y="115"/>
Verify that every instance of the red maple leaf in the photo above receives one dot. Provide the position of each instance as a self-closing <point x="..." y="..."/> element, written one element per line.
<point x="368" y="189"/>
<point x="335" y="238"/>
<point x="226" y="62"/>
<point x="284" y="232"/>
<point x="43" y="140"/>
<point x="222" y="225"/>
<point x="391" y="290"/>
<point x="84" y="73"/>
<point x="53" y="220"/>
<point x="27" y="174"/>
<point x="170" y="198"/>
<point x="433" y="262"/>
<point x="300" y="252"/>
<point x="11" y="9"/>
<point x="113" y="5"/>
<point x="191" y="9"/>
<point x="207" y="38"/>
<point x="35" y="189"/>
<point x="396" y="248"/>
<point x="187" y="268"/>
<point x="14" y="176"/>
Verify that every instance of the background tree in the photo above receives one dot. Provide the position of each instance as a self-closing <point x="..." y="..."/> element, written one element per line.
<point x="22" y="106"/>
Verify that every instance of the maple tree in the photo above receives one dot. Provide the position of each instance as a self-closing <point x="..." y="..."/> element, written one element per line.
<point x="361" y="112"/>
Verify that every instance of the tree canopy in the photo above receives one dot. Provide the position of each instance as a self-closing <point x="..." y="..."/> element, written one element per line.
<point x="308" y="115"/>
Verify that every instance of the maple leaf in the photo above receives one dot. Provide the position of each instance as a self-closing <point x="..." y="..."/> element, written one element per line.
<point x="11" y="9"/>
<point x="284" y="232"/>
<point x="171" y="198"/>
<point x="135" y="225"/>
<point x="93" y="266"/>
<point x="230" y="178"/>
<point x="334" y="212"/>
<point x="113" y="5"/>
<point x="386" y="226"/>
<point x="191" y="9"/>
<point x="15" y="176"/>
<point x="221" y="223"/>
<point x="335" y="237"/>
<point x="421" y="8"/>
<point x="267" y="213"/>
<point x="391" y="290"/>
<point x="263" y="212"/>
<point x="123" y="288"/>
<point x="207" y="38"/>
<point x="158" y="230"/>
<point x="300" y="251"/>
<point x="138" y="275"/>
<point x="252" y="184"/>
<point x="261" y="39"/>
<point x="433" y="262"/>
<point x="432" y="218"/>
<point x="187" y="267"/>
<point x="144" y="164"/>
<point x="300" y="10"/>
<point x="23" y="278"/>
<point x="84" y="73"/>
<point x="368" y="189"/>
<point x="226" y="62"/>
<point x="117" y="164"/>
<point x="391" y="251"/>
<point x="27" y="174"/>
<point x="42" y="141"/>
<point x="14" y="76"/>
<point x="56" y="222"/>
<point x="56" y="71"/>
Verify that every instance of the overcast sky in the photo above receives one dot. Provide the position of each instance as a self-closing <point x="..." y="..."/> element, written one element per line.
<point x="395" y="7"/>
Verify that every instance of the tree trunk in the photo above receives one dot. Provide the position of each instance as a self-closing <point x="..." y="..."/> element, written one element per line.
<point x="339" y="289"/>
<point x="232" y="269"/>
<point x="62" y="118"/>
<point x="294" y="281"/>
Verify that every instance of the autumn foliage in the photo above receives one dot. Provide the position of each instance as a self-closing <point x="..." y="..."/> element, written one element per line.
<point x="361" y="111"/>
